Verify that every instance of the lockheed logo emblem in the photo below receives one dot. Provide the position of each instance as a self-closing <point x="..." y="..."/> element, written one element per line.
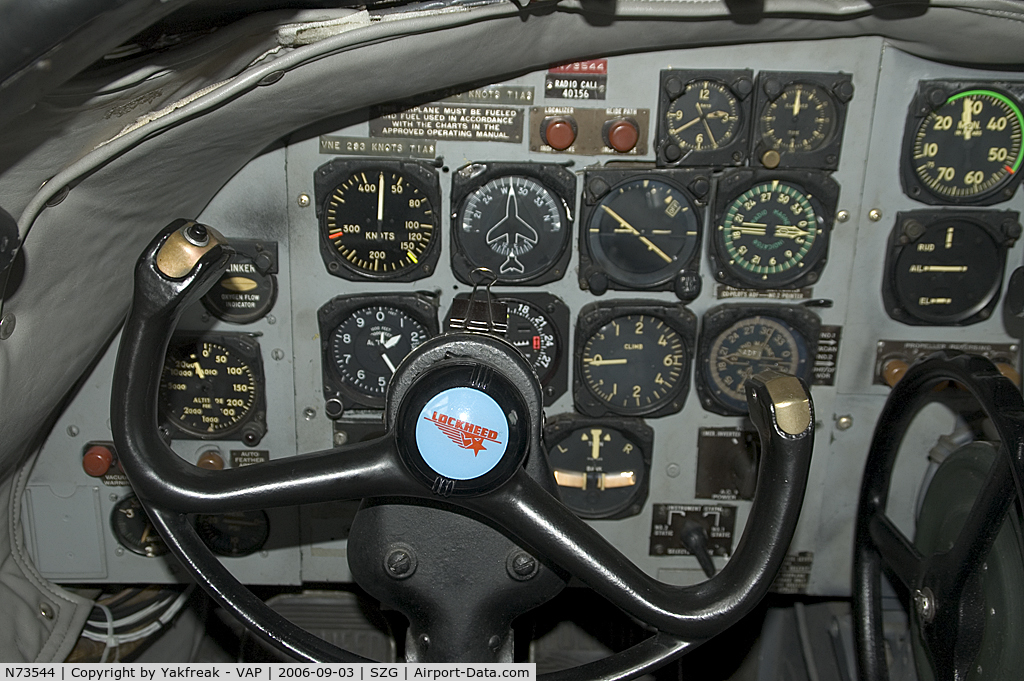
<point x="463" y="433"/>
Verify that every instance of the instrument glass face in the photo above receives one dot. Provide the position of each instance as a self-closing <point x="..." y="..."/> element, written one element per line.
<point x="769" y="233"/>
<point x="133" y="529"/>
<point x="634" y="364"/>
<point x="643" y="232"/>
<point x="236" y="534"/>
<point x="369" y="344"/>
<point x="801" y="119"/>
<point x="949" y="274"/>
<point x="746" y="348"/>
<point x="599" y="470"/>
<point x="533" y="333"/>
<point x="380" y="223"/>
<point x="207" y="389"/>
<point x="705" y="117"/>
<point x="514" y="226"/>
<point x="970" y="147"/>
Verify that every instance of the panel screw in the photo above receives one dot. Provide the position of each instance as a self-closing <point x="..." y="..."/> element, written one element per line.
<point x="874" y="215"/>
<point x="7" y="326"/>
<point x="118" y="552"/>
<point x="277" y="353"/>
<point x="73" y="431"/>
<point x="340" y="438"/>
<point x="672" y="470"/>
<point x="46" y="610"/>
<point x="924" y="604"/>
<point x="844" y="422"/>
<point x="400" y="562"/>
<point x="304" y="200"/>
<point x="309" y="413"/>
<point x="521" y="566"/>
<point x="494" y="642"/>
<point x="843" y="216"/>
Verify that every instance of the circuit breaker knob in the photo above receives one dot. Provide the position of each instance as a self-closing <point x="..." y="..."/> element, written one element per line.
<point x="559" y="132"/>
<point x="97" y="460"/>
<point x="622" y="134"/>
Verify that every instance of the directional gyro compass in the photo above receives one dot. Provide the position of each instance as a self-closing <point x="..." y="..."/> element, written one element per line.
<point x="513" y="236"/>
<point x="513" y="219"/>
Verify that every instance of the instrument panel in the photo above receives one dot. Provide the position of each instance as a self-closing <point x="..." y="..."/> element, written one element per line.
<point x="705" y="215"/>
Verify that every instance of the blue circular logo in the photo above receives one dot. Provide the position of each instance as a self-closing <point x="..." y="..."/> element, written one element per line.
<point x="462" y="433"/>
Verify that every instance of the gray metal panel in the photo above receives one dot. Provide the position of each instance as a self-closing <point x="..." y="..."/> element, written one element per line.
<point x="263" y="201"/>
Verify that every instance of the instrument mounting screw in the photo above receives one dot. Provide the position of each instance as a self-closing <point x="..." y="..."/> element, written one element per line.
<point x="843" y="216"/>
<point x="309" y="413"/>
<point x="304" y="200"/>
<point x="73" y="431"/>
<point x="521" y="566"/>
<point x="400" y="562"/>
<point x="874" y="215"/>
<point x="844" y="422"/>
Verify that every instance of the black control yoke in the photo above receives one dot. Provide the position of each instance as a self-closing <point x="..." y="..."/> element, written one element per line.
<point x="186" y="259"/>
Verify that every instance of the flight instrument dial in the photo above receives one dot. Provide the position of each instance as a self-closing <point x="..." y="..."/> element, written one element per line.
<point x="512" y="219"/>
<point x="633" y="359"/>
<point x="739" y="341"/>
<point x="212" y="388"/>
<point x="602" y="467"/>
<point x="379" y="220"/>
<point x="964" y="150"/>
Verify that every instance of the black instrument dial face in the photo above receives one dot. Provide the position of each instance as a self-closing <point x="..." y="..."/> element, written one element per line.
<point x="970" y="147"/>
<point x="133" y="529"/>
<point x="533" y="333"/>
<point x="236" y="534"/>
<point x="705" y="117"/>
<point x="770" y="235"/>
<point x="801" y="119"/>
<point x="643" y="232"/>
<point x="380" y="223"/>
<point x="514" y="226"/>
<point x="600" y="471"/>
<point x="634" y="364"/>
<point x="207" y="389"/>
<point x="369" y="344"/>
<point x="949" y="274"/>
<point x="746" y="348"/>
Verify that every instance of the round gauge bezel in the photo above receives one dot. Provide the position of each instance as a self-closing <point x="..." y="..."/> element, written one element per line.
<point x="818" y="189"/>
<point x="333" y="175"/>
<point x="682" y="259"/>
<point x="594" y="316"/>
<point x="718" y="320"/>
<point x="819" y="137"/>
<point x="738" y="83"/>
<point x="839" y="90"/>
<point x="598" y="272"/>
<point x="120" y="532"/>
<point x="250" y="427"/>
<point x="339" y="394"/>
<point x="248" y="290"/>
<point x="634" y="431"/>
<point x="557" y="180"/>
<point x="931" y="96"/>
<point x="205" y="525"/>
<point x="1002" y="228"/>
